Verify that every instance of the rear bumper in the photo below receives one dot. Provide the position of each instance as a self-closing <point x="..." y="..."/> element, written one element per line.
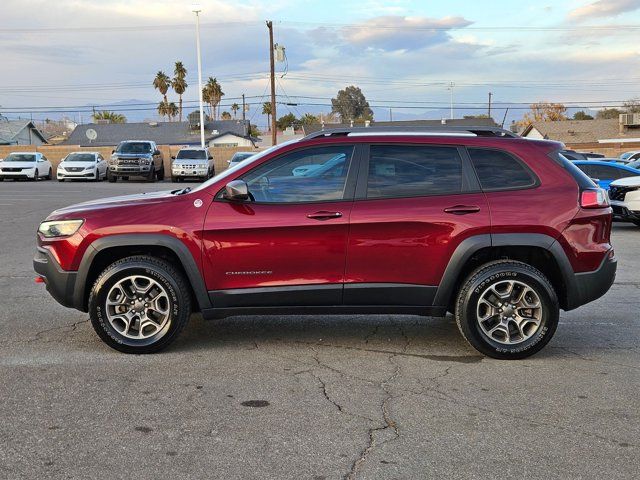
<point x="60" y="283"/>
<point x="590" y="286"/>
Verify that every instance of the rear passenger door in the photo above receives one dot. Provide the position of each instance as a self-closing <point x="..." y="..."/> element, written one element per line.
<point x="414" y="205"/>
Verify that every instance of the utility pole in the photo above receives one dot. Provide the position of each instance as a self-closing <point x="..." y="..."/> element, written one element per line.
<point x="390" y="115"/>
<point x="274" y="133"/>
<point x="244" y="116"/>
<point x="490" y="95"/>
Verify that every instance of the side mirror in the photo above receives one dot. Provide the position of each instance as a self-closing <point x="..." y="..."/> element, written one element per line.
<point x="236" y="190"/>
<point x="210" y="157"/>
<point x="173" y="157"/>
<point x="112" y="152"/>
<point x="156" y="152"/>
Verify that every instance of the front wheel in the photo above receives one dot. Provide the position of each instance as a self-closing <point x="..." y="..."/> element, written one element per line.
<point x="36" y="176"/>
<point x="507" y="310"/>
<point x="161" y="174"/>
<point x="636" y="223"/>
<point x="139" y="304"/>
<point x="111" y="178"/>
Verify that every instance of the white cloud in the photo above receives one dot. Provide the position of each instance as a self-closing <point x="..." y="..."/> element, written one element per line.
<point x="603" y="9"/>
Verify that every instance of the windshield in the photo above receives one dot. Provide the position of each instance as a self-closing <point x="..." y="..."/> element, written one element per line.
<point x="80" y="157"/>
<point x="20" y="157"/>
<point x="191" y="155"/>
<point x="238" y="157"/>
<point x="134" y="147"/>
<point x="235" y="167"/>
<point x="624" y="156"/>
<point x="635" y="164"/>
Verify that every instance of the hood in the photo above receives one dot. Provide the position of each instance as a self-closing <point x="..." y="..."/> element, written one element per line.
<point x="77" y="164"/>
<point x="17" y="164"/>
<point x="113" y="202"/>
<point x="189" y="161"/>
<point x="627" y="182"/>
<point x="131" y="155"/>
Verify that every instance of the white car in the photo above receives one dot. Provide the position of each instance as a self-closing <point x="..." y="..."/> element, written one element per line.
<point x="630" y="156"/>
<point x="239" y="157"/>
<point x="192" y="162"/>
<point x="624" y="196"/>
<point x="28" y="165"/>
<point x="82" y="166"/>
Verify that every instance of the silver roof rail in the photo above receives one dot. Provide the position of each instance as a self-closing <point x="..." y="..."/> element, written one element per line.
<point x="434" y="131"/>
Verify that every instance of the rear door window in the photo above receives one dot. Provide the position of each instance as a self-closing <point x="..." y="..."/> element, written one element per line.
<point x="499" y="170"/>
<point x="413" y="171"/>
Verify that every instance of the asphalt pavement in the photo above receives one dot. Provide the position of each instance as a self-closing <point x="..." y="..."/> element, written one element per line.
<point x="306" y="397"/>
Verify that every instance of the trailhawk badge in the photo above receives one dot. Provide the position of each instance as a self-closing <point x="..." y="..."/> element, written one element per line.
<point x="197" y="203"/>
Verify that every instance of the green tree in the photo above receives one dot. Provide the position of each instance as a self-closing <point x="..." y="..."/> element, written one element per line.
<point x="253" y="131"/>
<point x="213" y="93"/>
<point x="351" y="104"/>
<point x="309" y="119"/>
<point x="179" y="84"/>
<point x="607" y="113"/>
<point x="234" y="108"/>
<point x="581" y="115"/>
<point x="286" y="121"/>
<point x="266" y="110"/>
<point x="225" y="116"/>
<point x="112" y="117"/>
<point x="162" y="83"/>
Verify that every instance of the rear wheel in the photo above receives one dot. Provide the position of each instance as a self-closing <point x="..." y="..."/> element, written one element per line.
<point x="507" y="310"/>
<point x="139" y="304"/>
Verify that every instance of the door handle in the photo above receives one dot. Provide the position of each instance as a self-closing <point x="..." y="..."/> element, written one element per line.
<point x="324" y="215"/>
<point x="462" y="209"/>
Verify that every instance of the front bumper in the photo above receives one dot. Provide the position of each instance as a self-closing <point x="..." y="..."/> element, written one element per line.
<point x="78" y="175"/>
<point x="23" y="174"/>
<point x="590" y="286"/>
<point x="622" y="212"/>
<point x="130" y="169"/>
<point x="60" y="283"/>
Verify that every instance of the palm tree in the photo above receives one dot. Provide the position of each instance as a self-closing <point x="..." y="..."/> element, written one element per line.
<point x="266" y="110"/>
<point x="213" y="91"/>
<point x="234" y="108"/>
<point x="162" y="83"/>
<point x="163" y="108"/>
<point x="112" y="117"/>
<point x="179" y="83"/>
<point x="172" y="110"/>
<point x="225" y="116"/>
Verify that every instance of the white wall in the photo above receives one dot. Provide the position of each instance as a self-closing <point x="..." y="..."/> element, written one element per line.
<point x="230" y="140"/>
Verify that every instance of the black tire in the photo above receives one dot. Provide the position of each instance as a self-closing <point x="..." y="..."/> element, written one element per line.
<point x="636" y="223"/>
<point x="178" y="292"/>
<point x="61" y="180"/>
<point x="479" y="281"/>
<point x="151" y="176"/>
<point x="176" y="179"/>
<point x="36" y="175"/>
<point x="111" y="178"/>
<point x="50" y="175"/>
<point x="161" y="174"/>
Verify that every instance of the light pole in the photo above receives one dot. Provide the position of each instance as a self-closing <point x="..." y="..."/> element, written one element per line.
<point x="196" y="9"/>
<point x="451" y="87"/>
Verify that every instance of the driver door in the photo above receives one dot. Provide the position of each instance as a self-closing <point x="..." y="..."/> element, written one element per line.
<point x="287" y="245"/>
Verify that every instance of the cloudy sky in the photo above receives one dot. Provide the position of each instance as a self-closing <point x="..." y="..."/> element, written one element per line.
<point x="402" y="53"/>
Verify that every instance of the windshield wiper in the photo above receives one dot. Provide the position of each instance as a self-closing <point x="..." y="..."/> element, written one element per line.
<point x="182" y="191"/>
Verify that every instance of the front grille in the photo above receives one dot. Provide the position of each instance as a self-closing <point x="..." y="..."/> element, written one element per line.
<point x="618" y="193"/>
<point x="187" y="167"/>
<point x="11" y="169"/>
<point x="129" y="161"/>
<point x="75" y="169"/>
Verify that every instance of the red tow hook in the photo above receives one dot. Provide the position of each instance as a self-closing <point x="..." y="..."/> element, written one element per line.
<point x="39" y="279"/>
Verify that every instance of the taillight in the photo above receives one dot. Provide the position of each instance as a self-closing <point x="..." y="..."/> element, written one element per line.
<point x="594" y="198"/>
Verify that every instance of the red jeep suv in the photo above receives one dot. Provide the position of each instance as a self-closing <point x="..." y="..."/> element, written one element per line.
<point x="501" y="231"/>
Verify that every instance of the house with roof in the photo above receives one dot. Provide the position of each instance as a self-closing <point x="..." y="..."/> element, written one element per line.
<point x="20" y="132"/>
<point x="588" y="134"/>
<point x="220" y="133"/>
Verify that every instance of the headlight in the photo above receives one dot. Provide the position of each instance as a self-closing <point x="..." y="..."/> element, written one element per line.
<point x="59" y="228"/>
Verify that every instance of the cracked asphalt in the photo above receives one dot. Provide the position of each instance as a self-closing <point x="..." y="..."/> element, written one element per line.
<point x="310" y="397"/>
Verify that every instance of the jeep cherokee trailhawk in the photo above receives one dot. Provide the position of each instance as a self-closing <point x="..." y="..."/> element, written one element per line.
<point x="501" y="231"/>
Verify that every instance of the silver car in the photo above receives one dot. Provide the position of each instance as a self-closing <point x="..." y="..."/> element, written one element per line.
<point x="192" y="162"/>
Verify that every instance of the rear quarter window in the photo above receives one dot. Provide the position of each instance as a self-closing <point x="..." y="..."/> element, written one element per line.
<point x="499" y="170"/>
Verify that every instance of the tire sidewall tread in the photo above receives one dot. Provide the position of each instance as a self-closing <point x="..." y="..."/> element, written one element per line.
<point x="470" y="292"/>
